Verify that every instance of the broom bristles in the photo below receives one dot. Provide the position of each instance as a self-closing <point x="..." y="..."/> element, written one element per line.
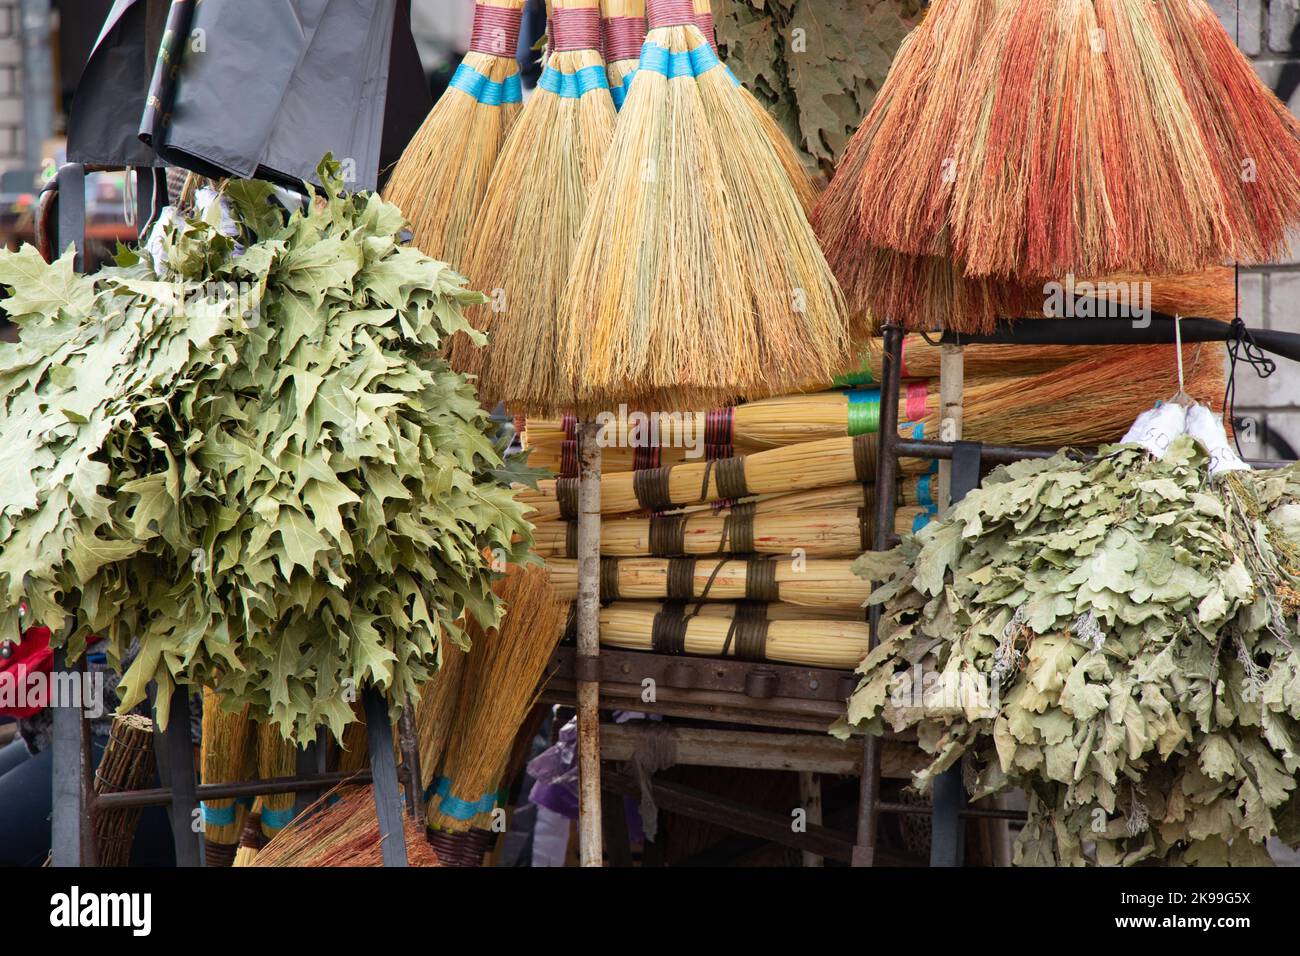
<point x="276" y="757"/>
<point x="224" y="756"/>
<point x="524" y="236"/>
<point x="344" y="832"/>
<point x="696" y="274"/>
<point x="502" y="671"/>
<point x="443" y="173"/>
<point x="435" y="715"/>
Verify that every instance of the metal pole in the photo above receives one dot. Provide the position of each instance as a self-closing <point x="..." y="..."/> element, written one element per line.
<point x="383" y="767"/>
<point x="587" y="662"/>
<point x="864" y="850"/>
<point x="68" y="816"/>
<point x="38" y="81"/>
<point x="178" y="746"/>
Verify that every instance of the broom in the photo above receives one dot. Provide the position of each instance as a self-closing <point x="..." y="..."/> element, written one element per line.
<point x="696" y="276"/>
<point x="502" y="673"/>
<point x="354" y="747"/>
<point x="731" y="610"/>
<point x="801" y="467"/>
<point x="434" y="717"/>
<point x="524" y="236"/>
<point x="828" y="533"/>
<point x="225" y="753"/>
<point x="443" y="173"/>
<point x="673" y="630"/>
<point x="790" y="161"/>
<point x="251" y="840"/>
<point x="276" y="757"/>
<point x="341" y="832"/>
<point x="127" y="764"/>
<point x="623" y="28"/>
<point x="814" y="583"/>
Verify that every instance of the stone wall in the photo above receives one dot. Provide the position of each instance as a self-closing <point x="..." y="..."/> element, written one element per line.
<point x="11" y="85"/>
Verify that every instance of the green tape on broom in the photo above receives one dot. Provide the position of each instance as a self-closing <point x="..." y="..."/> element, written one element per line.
<point x="864" y="411"/>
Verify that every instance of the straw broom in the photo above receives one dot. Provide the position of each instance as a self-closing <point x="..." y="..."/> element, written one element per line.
<point x="251" y="840"/>
<point x="344" y="832"/>
<point x="790" y="161"/>
<point x="729" y="610"/>
<point x="828" y="533"/>
<point x="127" y="764"/>
<point x="523" y="239"/>
<point x="443" y="174"/>
<point x="434" y="717"/>
<point x="276" y="757"/>
<point x="801" y="467"/>
<point x="1251" y="137"/>
<point x="696" y="277"/>
<point x="623" y="30"/>
<point x="354" y="747"/>
<point x="502" y="672"/>
<point x="814" y="583"/>
<point x="225" y="756"/>
<point x="811" y="643"/>
<point x="918" y="490"/>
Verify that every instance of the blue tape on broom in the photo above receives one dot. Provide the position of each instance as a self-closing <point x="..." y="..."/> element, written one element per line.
<point x="276" y="819"/>
<point x="619" y="93"/>
<point x="459" y="809"/>
<point x="696" y="62"/>
<point x="489" y="93"/>
<point x="923" y="496"/>
<point x="218" y="816"/>
<point x="573" y="85"/>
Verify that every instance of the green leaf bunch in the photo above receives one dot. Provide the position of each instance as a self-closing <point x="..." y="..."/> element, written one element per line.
<point x="251" y="459"/>
<point x="1118" y="638"/>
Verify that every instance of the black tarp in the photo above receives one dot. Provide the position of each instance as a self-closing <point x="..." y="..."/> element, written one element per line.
<point x="252" y="88"/>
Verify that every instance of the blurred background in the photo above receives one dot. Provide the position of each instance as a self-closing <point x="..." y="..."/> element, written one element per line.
<point x="815" y="63"/>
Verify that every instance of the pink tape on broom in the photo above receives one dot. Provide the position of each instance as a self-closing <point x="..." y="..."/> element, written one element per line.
<point x="917" y="393"/>
<point x="623" y="38"/>
<point x="575" y="29"/>
<point x="669" y="13"/>
<point x="496" y="30"/>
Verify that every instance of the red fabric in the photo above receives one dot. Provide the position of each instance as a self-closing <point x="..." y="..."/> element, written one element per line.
<point x="32" y="656"/>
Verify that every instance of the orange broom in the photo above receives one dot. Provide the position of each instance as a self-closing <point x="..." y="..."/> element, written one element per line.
<point x="443" y="173"/>
<point x="340" y="832"/>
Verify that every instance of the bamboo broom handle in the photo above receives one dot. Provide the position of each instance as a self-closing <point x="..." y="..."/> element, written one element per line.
<point x="801" y="467"/>
<point x="825" y="582"/>
<point x="590" y="838"/>
<point x="835" y="644"/>
<point x="833" y="533"/>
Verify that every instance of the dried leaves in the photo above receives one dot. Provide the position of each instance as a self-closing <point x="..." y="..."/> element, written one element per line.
<point x="252" y="459"/>
<point x="1118" y="639"/>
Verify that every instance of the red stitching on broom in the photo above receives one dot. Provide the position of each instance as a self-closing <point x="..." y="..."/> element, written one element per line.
<point x="669" y="13"/>
<point x="575" y="29"/>
<point x="705" y="22"/>
<point x="569" y="458"/>
<point x="623" y="38"/>
<point x="496" y="30"/>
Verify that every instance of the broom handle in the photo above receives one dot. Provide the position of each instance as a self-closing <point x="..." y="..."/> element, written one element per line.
<point x="590" y="849"/>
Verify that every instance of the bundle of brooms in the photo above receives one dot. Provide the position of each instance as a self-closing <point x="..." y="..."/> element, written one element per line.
<point x="443" y="174"/>
<point x="1083" y="404"/>
<point x="828" y="533"/>
<point x="340" y="829"/>
<point x="746" y="633"/>
<point x="524" y="236"/>
<point x="501" y="675"/>
<point x="811" y="583"/>
<point x="696" y="276"/>
<point x="128" y="764"/>
<point x="1020" y="141"/>
<point x="276" y="757"/>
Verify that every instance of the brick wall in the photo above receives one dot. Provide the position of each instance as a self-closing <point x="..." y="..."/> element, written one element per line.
<point x="11" y="85"/>
<point x="1268" y="31"/>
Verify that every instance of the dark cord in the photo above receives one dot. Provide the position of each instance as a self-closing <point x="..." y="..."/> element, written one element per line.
<point x="1242" y="347"/>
